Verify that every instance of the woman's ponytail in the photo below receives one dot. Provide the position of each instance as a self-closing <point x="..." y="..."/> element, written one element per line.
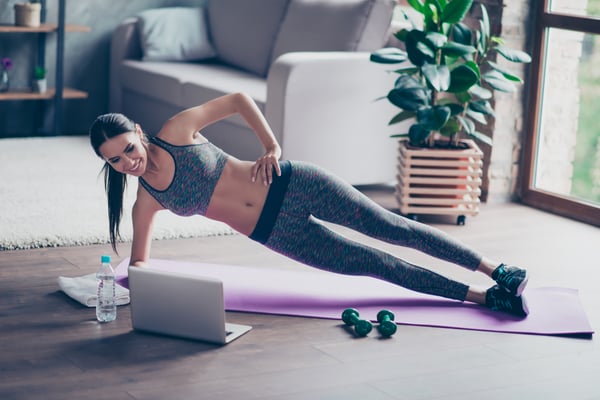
<point x="114" y="184"/>
<point x="106" y="127"/>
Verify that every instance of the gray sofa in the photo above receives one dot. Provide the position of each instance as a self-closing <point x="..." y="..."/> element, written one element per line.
<point x="304" y="62"/>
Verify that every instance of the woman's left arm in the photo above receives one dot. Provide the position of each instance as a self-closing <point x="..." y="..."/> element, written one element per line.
<point x="195" y="119"/>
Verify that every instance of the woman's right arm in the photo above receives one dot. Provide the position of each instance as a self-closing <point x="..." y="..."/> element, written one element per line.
<point x="196" y="118"/>
<point x="143" y="214"/>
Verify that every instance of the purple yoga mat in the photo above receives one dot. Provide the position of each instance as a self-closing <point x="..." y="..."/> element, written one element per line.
<point x="553" y="310"/>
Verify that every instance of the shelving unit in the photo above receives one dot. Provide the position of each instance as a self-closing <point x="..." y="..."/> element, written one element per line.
<point x="43" y="28"/>
<point x="59" y="92"/>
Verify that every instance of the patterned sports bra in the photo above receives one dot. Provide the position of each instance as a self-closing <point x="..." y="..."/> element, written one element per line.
<point x="197" y="170"/>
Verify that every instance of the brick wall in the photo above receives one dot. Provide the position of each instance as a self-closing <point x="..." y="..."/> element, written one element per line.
<point x="510" y="107"/>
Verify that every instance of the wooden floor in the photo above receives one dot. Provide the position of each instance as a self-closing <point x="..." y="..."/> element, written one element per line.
<point x="52" y="348"/>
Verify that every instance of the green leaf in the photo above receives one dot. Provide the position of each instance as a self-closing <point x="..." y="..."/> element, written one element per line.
<point x="407" y="70"/>
<point x="416" y="5"/>
<point x="414" y="44"/>
<point x="401" y="34"/>
<point x="436" y="8"/>
<point x="481" y="106"/>
<point x="477" y="116"/>
<point x="463" y="97"/>
<point x="399" y="135"/>
<point x="497" y="40"/>
<point x="481" y="137"/>
<point x="484" y="24"/>
<point x="418" y="134"/>
<point x="427" y="51"/>
<point x="437" y="40"/>
<point x="505" y="72"/>
<point x="433" y="118"/>
<point x="431" y="19"/>
<point x="389" y="55"/>
<point x="462" y="34"/>
<point x="462" y="78"/>
<point x="402" y="116"/>
<point x="408" y="99"/>
<point x="498" y="82"/>
<point x="438" y="76"/>
<point x="455" y="11"/>
<point x="480" y="92"/>
<point x="473" y="65"/>
<point x="513" y="55"/>
<point x="405" y="82"/>
<point x="455" y="109"/>
<point x="454" y="49"/>
<point x="467" y="124"/>
<point x="409" y="94"/>
<point x="451" y="128"/>
<point x="480" y="49"/>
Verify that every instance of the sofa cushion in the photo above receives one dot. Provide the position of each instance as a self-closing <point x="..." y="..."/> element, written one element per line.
<point x="189" y="84"/>
<point x="242" y="32"/>
<point x="150" y="78"/>
<point x="334" y="25"/>
<point x="209" y="81"/>
<point x="174" y="34"/>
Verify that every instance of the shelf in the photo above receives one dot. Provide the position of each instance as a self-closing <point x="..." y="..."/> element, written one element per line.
<point x="49" y="95"/>
<point x="42" y="32"/>
<point x="43" y="28"/>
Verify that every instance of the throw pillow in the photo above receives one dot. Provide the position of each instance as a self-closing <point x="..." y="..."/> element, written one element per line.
<point x="174" y="34"/>
<point x="334" y="25"/>
<point x="243" y="31"/>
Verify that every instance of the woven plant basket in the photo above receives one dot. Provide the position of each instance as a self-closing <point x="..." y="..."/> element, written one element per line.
<point x="28" y="14"/>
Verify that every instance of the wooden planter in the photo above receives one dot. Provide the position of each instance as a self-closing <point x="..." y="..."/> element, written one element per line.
<point x="439" y="181"/>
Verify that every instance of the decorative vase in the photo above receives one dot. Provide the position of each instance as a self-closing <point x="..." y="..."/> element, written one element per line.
<point x="28" y="14"/>
<point x="4" y="82"/>
<point x="40" y="85"/>
<point x="439" y="181"/>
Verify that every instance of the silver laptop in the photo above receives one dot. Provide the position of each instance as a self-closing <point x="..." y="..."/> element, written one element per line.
<point x="183" y="305"/>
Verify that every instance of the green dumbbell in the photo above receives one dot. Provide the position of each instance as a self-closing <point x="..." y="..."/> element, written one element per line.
<point x="387" y="327"/>
<point x="362" y="327"/>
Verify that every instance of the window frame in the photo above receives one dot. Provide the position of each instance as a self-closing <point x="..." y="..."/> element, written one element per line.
<point x="535" y="197"/>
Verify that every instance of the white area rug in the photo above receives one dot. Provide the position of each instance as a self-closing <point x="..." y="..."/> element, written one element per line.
<point x="51" y="194"/>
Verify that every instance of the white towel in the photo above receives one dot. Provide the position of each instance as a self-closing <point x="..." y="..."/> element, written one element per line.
<point x="84" y="290"/>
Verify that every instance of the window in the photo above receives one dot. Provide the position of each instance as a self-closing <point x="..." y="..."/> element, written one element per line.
<point x="562" y="149"/>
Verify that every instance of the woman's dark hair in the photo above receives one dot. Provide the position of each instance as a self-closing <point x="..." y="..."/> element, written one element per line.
<point x="105" y="127"/>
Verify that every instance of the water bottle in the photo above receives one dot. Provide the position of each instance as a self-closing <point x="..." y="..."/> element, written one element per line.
<point x="106" y="307"/>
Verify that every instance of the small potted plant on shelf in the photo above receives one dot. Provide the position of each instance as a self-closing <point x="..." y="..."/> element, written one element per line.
<point x="4" y="80"/>
<point x="28" y="14"/>
<point x="40" y="84"/>
<point x="443" y="88"/>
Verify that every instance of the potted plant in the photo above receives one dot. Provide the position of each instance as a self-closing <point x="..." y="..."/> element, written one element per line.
<point x="5" y="65"/>
<point x="443" y="90"/>
<point x="39" y="79"/>
<point x="28" y="14"/>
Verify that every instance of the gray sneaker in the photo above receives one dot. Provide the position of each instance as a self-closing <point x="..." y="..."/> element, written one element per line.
<point x="512" y="279"/>
<point x="498" y="299"/>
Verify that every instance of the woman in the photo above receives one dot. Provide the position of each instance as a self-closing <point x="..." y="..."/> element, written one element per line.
<point x="277" y="203"/>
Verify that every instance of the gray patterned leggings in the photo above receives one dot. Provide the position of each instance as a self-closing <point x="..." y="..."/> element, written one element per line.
<point x="313" y="195"/>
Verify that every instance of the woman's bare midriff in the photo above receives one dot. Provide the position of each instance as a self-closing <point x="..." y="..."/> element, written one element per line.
<point x="236" y="200"/>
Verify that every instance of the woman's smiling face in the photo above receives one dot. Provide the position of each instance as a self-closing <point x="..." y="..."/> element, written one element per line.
<point x="126" y="153"/>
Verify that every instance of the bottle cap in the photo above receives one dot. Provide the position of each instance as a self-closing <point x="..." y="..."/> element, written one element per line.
<point x="105" y="259"/>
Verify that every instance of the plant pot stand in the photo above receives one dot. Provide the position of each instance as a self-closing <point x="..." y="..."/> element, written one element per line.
<point x="437" y="181"/>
